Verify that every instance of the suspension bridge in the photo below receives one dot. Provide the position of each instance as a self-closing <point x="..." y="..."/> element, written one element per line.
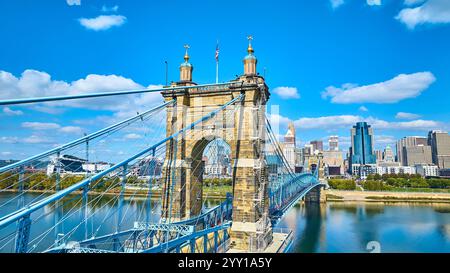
<point x="178" y="219"/>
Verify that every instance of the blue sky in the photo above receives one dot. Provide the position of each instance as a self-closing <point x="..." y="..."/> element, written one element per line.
<point x="329" y="63"/>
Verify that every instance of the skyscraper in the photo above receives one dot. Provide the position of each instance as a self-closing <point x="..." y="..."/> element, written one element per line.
<point x="414" y="155"/>
<point x="317" y="145"/>
<point x="379" y="155"/>
<point x="440" y="148"/>
<point x="409" y="141"/>
<point x="289" y="145"/>
<point x="333" y="143"/>
<point x="362" y="144"/>
<point x="388" y="155"/>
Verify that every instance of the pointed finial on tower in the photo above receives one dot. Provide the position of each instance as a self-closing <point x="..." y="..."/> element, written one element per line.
<point x="186" y="55"/>
<point x="250" y="60"/>
<point x="250" y="48"/>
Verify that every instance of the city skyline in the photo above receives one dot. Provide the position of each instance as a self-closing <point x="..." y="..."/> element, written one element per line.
<point x="395" y="84"/>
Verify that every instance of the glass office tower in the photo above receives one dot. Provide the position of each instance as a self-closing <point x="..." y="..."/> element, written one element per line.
<point x="362" y="145"/>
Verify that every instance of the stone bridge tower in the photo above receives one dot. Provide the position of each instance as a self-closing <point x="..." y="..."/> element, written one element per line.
<point x="242" y="126"/>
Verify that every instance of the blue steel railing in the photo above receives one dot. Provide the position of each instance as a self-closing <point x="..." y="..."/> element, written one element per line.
<point x="190" y="242"/>
<point x="214" y="216"/>
<point x="285" y="195"/>
<point x="23" y="215"/>
<point x="148" y="237"/>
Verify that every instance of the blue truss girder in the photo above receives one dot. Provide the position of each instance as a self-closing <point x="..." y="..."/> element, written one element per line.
<point x="285" y="195"/>
<point x="181" y="229"/>
<point x="145" y="232"/>
<point x="179" y="242"/>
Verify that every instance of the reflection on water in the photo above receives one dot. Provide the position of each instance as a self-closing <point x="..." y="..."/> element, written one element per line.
<point x="102" y="211"/>
<point x="331" y="227"/>
<point x="348" y="227"/>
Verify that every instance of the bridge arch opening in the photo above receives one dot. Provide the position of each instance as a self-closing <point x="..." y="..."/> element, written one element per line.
<point x="211" y="172"/>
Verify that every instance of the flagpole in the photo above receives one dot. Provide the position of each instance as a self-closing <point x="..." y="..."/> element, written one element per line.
<point x="217" y="62"/>
<point x="217" y="71"/>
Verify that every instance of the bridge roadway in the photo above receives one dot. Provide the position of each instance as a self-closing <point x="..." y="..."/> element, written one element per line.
<point x="281" y="243"/>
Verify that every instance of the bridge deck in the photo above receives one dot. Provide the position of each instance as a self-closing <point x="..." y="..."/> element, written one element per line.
<point x="281" y="243"/>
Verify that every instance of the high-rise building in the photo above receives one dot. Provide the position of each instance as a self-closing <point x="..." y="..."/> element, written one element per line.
<point x="379" y="155"/>
<point x="333" y="143"/>
<point x="333" y="162"/>
<point x="362" y="144"/>
<point x="289" y="146"/>
<point x="388" y="154"/>
<point x="440" y="148"/>
<point x="308" y="150"/>
<point x="414" y="155"/>
<point x="298" y="156"/>
<point x="317" y="145"/>
<point x="409" y="141"/>
<point x="349" y="160"/>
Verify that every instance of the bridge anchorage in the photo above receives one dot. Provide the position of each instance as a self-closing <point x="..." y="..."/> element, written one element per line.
<point x="264" y="185"/>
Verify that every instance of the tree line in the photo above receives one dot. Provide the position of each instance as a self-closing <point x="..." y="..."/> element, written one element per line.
<point x="41" y="181"/>
<point x="387" y="182"/>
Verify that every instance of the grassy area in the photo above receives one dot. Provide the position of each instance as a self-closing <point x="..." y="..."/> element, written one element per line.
<point x="396" y="189"/>
<point x="409" y="198"/>
<point x="217" y="191"/>
<point x="333" y="196"/>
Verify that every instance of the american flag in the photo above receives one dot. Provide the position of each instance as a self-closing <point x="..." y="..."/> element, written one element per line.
<point x="217" y="52"/>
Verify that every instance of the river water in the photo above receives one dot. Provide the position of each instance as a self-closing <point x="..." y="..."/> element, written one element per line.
<point x="331" y="227"/>
<point x="360" y="227"/>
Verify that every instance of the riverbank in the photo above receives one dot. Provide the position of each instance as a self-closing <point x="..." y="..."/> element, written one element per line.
<point x="332" y="195"/>
<point x="155" y="194"/>
<point x="386" y="196"/>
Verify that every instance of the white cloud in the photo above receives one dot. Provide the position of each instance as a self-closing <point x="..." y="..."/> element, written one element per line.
<point x="9" y="140"/>
<point x="110" y="9"/>
<point x="276" y="120"/>
<point x="48" y="110"/>
<point x="419" y="124"/>
<point x="401" y="87"/>
<point x="430" y="12"/>
<point x="347" y="121"/>
<point x="40" y="125"/>
<point x="404" y="115"/>
<point x="9" y="112"/>
<point x="73" y="2"/>
<point x="374" y="2"/>
<point x="363" y="109"/>
<point x="35" y="139"/>
<point x="133" y="136"/>
<point x="71" y="130"/>
<point x="103" y="22"/>
<point x="327" y="122"/>
<point x="384" y="139"/>
<point x="33" y="83"/>
<point x="6" y="153"/>
<point x="336" y="3"/>
<point x="287" y="92"/>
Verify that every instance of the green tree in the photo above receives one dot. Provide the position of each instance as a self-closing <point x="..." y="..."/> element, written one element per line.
<point x="8" y="180"/>
<point x="342" y="184"/>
